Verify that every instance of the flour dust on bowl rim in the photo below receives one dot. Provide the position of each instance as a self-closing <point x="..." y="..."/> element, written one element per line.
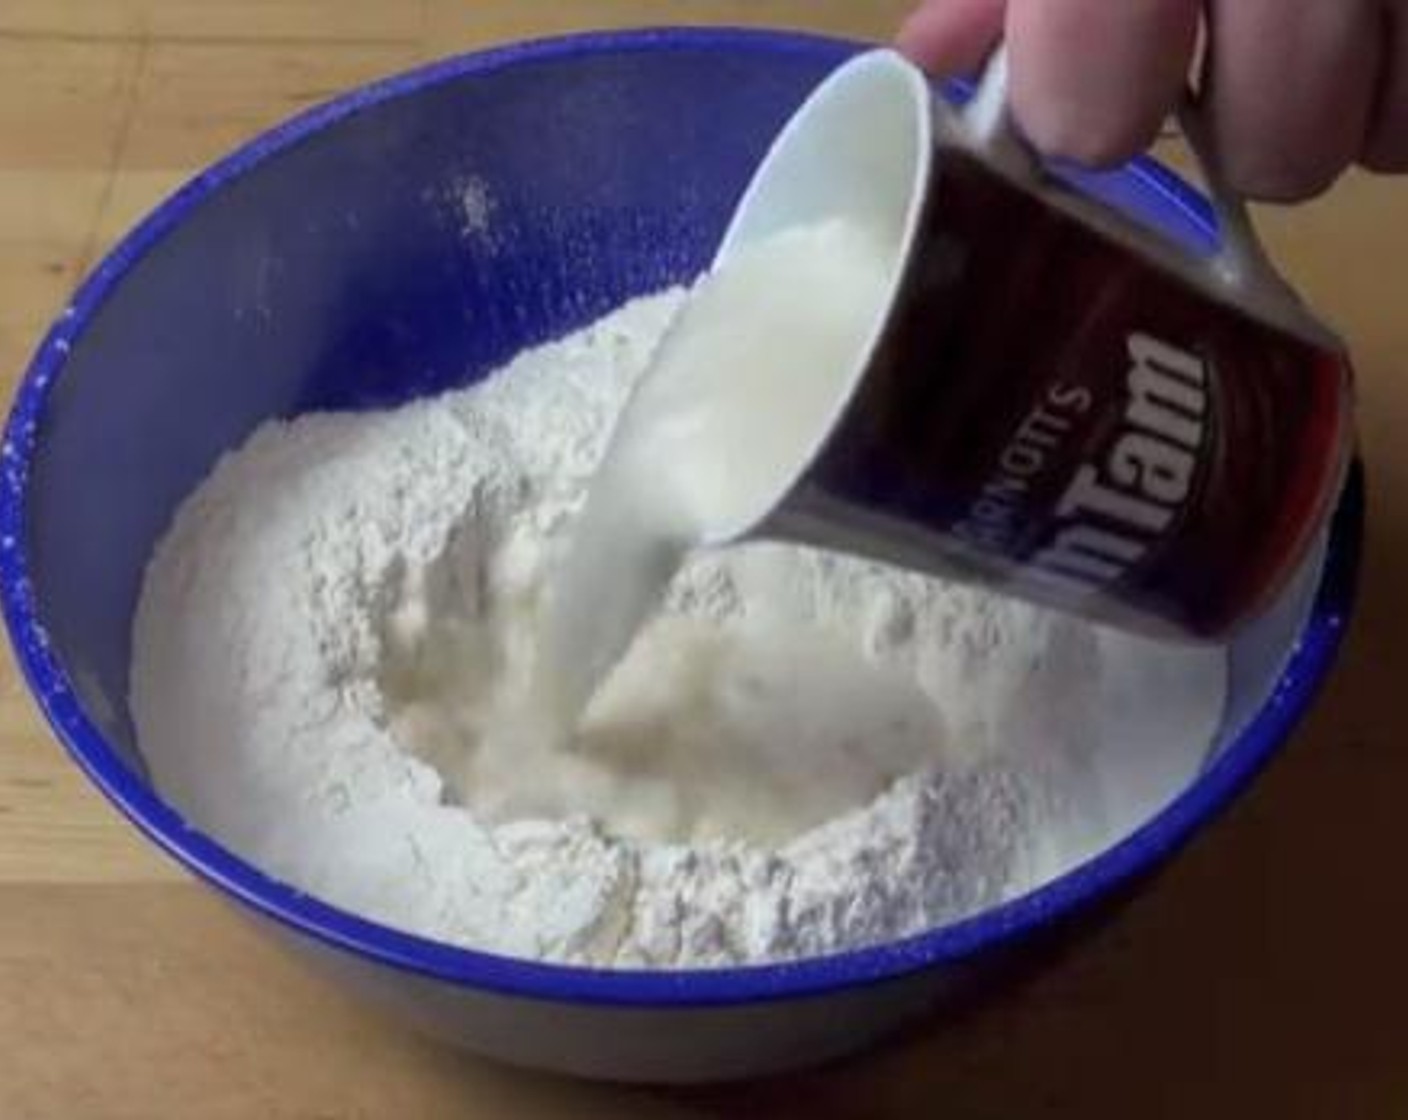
<point x="342" y="260"/>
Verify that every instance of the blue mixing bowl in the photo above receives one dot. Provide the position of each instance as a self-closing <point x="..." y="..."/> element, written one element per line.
<point x="344" y="260"/>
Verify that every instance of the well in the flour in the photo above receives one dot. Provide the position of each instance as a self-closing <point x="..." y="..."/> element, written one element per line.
<point x="803" y="753"/>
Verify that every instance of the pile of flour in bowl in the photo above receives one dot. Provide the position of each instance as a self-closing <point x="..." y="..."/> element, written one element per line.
<point x="803" y="753"/>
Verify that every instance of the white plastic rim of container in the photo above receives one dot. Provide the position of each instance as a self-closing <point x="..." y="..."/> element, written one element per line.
<point x="860" y="148"/>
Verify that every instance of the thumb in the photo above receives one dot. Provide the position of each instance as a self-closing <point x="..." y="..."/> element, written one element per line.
<point x="949" y="37"/>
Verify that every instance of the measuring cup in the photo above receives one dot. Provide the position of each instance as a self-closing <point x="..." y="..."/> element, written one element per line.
<point x="1059" y="403"/>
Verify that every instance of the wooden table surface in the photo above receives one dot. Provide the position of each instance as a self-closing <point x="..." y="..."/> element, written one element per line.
<point x="1264" y="976"/>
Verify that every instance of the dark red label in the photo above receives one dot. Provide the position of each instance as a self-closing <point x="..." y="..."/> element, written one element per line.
<point x="1068" y="418"/>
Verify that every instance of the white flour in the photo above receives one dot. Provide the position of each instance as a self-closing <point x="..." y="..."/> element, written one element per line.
<point x="332" y="636"/>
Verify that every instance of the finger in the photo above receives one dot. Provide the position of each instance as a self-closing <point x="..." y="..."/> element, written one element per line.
<point x="950" y="37"/>
<point x="1093" y="80"/>
<point x="1291" y="87"/>
<point x="1386" y="145"/>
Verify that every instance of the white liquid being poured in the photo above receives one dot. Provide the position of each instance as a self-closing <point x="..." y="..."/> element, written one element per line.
<point x="744" y="384"/>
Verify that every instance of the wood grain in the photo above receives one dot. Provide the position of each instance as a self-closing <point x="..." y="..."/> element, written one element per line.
<point x="1262" y="976"/>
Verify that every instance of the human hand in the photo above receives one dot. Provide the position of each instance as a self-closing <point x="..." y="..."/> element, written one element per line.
<point x="1297" y="90"/>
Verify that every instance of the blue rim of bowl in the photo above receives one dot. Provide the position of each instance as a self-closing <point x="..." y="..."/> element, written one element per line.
<point x="988" y="930"/>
